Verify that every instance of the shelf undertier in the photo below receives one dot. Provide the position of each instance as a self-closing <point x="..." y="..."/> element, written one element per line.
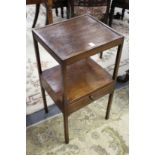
<point x="83" y="78"/>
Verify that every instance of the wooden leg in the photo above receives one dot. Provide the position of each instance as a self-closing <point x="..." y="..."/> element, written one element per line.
<point x="65" y="104"/>
<point x="117" y="61"/>
<point x="66" y="128"/>
<point x="109" y="105"/>
<point x="49" y="16"/>
<point x="44" y="100"/>
<point x="39" y="72"/>
<point x="111" y="15"/>
<point x="36" y="15"/>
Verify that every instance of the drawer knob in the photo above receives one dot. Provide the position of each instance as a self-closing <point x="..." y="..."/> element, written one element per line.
<point x="91" y="97"/>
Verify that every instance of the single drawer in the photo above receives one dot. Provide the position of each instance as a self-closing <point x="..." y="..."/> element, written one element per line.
<point x="72" y="107"/>
<point x="101" y="92"/>
<point x="78" y="104"/>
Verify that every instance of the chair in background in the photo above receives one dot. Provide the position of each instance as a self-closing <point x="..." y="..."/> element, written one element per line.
<point x="124" y="4"/>
<point x="97" y="8"/>
<point x="48" y="4"/>
<point x="61" y="4"/>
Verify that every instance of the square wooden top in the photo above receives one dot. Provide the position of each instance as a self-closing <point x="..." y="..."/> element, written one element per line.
<point x="77" y="38"/>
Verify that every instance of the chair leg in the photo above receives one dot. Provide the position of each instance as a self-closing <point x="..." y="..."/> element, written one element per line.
<point x="62" y="12"/>
<point x="109" y="105"/>
<point x="56" y="11"/>
<point x="101" y="53"/>
<point x="111" y="15"/>
<point x="66" y="128"/>
<point x="123" y="11"/>
<point x="36" y="15"/>
<point x="68" y="12"/>
<point x="49" y="18"/>
<point x="44" y="100"/>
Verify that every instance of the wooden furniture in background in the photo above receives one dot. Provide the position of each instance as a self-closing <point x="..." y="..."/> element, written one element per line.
<point x="61" y="4"/>
<point x="77" y="80"/>
<point x="48" y="4"/>
<point x="97" y="8"/>
<point x="124" y="4"/>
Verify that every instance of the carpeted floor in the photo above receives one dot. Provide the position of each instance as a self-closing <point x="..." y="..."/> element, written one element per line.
<point x="33" y="100"/>
<point x="90" y="133"/>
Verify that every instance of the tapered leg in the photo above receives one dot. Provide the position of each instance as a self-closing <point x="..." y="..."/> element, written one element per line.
<point x="65" y="102"/>
<point x="44" y="100"/>
<point x="36" y="15"/>
<point x="109" y="105"/>
<point x="117" y="62"/>
<point x="39" y="72"/>
<point x="66" y="128"/>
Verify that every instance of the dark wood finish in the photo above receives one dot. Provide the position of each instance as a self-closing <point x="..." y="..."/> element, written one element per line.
<point x="91" y="81"/>
<point x="40" y="72"/>
<point x="78" y="80"/>
<point x="64" y="101"/>
<point x="109" y="105"/>
<point x="118" y="57"/>
<point x="124" y="4"/>
<point x="71" y="41"/>
<point x="48" y="4"/>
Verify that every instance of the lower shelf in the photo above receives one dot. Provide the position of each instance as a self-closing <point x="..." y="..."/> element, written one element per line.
<point x="86" y="82"/>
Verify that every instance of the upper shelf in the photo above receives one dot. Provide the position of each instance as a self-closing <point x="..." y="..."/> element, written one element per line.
<point x="77" y="38"/>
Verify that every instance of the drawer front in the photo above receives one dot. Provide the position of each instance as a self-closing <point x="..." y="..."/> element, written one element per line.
<point x="78" y="104"/>
<point x="101" y="92"/>
<point x="72" y="107"/>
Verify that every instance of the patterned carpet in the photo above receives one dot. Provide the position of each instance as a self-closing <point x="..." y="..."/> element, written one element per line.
<point x="33" y="99"/>
<point x="90" y="133"/>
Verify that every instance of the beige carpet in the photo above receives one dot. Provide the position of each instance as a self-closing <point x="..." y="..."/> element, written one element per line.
<point x="90" y="133"/>
<point x="33" y="99"/>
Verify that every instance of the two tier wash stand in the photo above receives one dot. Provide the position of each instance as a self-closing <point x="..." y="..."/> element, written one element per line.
<point x="77" y="80"/>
